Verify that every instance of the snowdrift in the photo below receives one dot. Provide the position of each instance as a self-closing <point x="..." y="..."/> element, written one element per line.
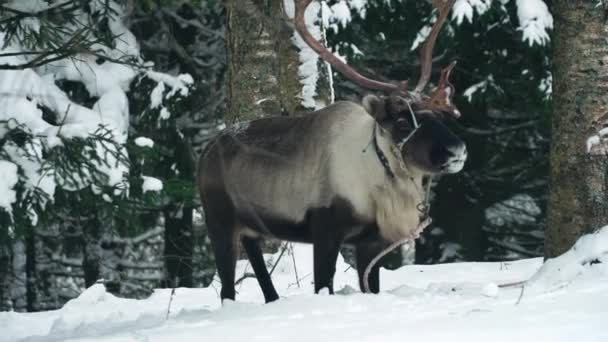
<point x="564" y="299"/>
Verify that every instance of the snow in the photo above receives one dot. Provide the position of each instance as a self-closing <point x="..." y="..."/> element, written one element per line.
<point x="520" y="209"/>
<point x="534" y="21"/>
<point x="421" y="36"/>
<point x="8" y="179"/>
<point x="156" y="96"/>
<point x="565" y="299"/>
<point x="585" y="262"/>
<point x="546" y="86"/>
<point x="151" y="184"/>
<point x="24" y="92"/>
<point x="144" y="142"/>
<point x="464" y="9"/>
<point x="178" y="84"/>
<point x="318" y="17"/>
<point x="341" y="13"/>
<point x="164" y="113"/>
<point x="308" y="70"/>
<point x="482" y="87"/>
<point x="450" y="251"/>
<point x="33" y="175"/>
<point x="596" y="144"/>
<point x="534" y="17"/>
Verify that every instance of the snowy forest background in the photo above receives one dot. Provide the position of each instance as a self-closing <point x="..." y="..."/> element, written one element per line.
<point x="104" y="106"/>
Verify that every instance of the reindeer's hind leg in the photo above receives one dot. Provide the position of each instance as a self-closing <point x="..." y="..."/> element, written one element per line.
<point x="221" y="225"/>
<point x="328" y="226"/>
<point x="256" y="259"/>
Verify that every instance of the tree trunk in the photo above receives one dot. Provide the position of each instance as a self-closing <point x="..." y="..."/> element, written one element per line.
<point x="5" y="277"/>
<point x="578" y="177"/>
<point x="91" y="247"/>
<point x="179" y="247"/>
<point x="30" y="271"/>
<point x="263" y="62"/>
<point x="19" y="276"/>
<point x="179" y="233"/>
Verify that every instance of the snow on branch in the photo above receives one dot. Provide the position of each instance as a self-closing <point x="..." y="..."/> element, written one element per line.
<point x="598" y="144"/>
<point x="534" y="21"/>
<point x="482" y="87"/>
<point x="464" y="9"/>
<point x="8" y="179"/>
<point x="319" y="16"/>
<point x="309" y="60"/>
<point x="68" y="144"/>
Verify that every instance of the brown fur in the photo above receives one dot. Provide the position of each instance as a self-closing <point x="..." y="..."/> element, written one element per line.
<point x="268" y="166"/>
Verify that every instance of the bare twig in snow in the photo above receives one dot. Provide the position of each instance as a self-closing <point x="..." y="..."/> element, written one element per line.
<point x="521" y="295"/>
<point x="279" y="258"/>
<point x="295" y="268"/>
<point x="171" y="300"/>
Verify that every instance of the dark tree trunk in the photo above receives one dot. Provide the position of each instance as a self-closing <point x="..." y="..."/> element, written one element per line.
<point x="5" y="277"/>
<point x="578" y="179"/>
<point x="179" y="247"/>
<point x="179" y="233"/>
<point x="30" y="272"/>
<point x="91" y="249"/>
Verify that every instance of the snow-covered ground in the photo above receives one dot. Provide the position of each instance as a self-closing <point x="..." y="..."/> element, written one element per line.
<point x="566" y="299"/>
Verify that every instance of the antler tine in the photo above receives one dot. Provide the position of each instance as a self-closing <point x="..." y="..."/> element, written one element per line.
<point x="426" y="53"/>
<point x="328" y="56"/>
<point x="441" y="98"/>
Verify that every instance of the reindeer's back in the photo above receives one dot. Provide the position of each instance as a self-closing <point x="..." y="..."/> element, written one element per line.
<point x="279" y="165"/>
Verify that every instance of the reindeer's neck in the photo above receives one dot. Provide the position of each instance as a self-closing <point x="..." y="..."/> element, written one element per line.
<point x="398" y="201"/>
<point x="392" y="161"/>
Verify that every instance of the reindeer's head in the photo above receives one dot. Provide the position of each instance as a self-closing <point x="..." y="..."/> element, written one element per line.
<point x="412" y="118"/>
<point x="420" y="137"/>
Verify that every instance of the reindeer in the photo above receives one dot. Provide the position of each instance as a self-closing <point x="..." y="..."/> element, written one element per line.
<point x="346" y="174"/>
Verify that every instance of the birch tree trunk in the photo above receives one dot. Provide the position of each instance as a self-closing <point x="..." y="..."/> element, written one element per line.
<point x="262" y="62"/>
<point x="579" y="172"/>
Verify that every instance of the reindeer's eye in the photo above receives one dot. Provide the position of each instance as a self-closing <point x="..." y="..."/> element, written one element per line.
<point x="402" y="124"/>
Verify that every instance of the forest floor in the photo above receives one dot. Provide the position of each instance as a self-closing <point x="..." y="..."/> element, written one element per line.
<point x="565" y="299"/>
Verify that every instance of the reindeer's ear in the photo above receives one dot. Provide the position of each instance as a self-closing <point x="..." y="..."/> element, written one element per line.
<point x="375" y="106"/>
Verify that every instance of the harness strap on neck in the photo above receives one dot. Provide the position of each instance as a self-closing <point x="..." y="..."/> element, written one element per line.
<point x="381" y="155"/>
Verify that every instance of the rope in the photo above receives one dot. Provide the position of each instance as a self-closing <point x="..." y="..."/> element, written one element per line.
<point x="387" y="250"/>
<point x="409" y="105"/>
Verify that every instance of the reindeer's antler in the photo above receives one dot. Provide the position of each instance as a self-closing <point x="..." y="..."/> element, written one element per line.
<point x="426" y="53"/>
<point x="329" y="57"/>
<point x="439" y="100"/>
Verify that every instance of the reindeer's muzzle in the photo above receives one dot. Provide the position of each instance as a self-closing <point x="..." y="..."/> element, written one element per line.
<point x="455" y="156"/>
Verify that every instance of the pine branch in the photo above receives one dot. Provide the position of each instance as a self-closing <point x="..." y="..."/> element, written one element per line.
<point x="76" y="44"/>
